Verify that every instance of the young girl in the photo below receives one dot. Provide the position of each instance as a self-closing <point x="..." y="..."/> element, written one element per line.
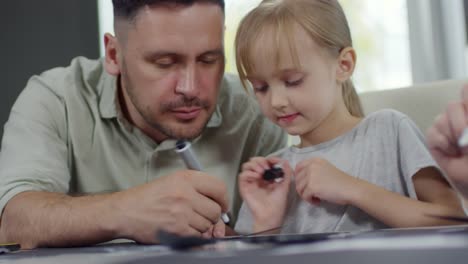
<point x="349" y="172"/>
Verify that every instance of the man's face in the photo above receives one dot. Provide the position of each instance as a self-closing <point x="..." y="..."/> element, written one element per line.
<point x="171" y="66"/>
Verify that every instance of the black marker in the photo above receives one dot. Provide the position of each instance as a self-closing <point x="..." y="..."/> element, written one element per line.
<point x="9" y="247"/>
<point x="185" y="151"/>
<point x="275" y="174"/>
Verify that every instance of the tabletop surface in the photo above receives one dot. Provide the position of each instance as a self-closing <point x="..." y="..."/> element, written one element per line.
<point x="419" y="245"/>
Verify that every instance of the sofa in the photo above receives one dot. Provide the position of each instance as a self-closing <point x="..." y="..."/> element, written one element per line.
<point x="422" y="103"/>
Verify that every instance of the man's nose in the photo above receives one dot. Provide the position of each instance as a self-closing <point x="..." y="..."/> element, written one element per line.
<point x="188" y="84"/>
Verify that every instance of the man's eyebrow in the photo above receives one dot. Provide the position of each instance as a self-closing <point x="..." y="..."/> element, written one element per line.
<point x="219" y="52"/>
<point x="159" y="54"/>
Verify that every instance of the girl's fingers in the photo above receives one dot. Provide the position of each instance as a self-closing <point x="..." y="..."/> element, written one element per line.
<point x="250" y="176"/>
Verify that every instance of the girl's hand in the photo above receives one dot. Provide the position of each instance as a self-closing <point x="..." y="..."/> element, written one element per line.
<point x="267" y="200"/>
<point x="317" y="179"/>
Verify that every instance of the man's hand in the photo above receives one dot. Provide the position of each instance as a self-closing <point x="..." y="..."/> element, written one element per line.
<point x="216" y="231"/>
<point x="443" y="138"/>
<point x="185" y="203"/>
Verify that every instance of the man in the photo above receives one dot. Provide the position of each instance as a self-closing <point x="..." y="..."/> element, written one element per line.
<point x="443" y="140"/>
<point x="88" y="151"/>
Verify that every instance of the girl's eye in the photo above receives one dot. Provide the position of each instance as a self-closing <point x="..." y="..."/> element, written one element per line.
<point x="258" y="86"/>
<point x="294" y="82"/>
<point x="260" y="89"/>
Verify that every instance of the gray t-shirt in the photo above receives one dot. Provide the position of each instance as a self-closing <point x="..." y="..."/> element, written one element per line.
<point x="386" y="149"/>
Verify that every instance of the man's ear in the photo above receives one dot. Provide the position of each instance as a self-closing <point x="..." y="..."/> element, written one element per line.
<point x="346" y="64"/>
<point x="112" y="64"/>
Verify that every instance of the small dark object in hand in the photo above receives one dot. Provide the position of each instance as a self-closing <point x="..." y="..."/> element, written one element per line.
<point x="275" y="174"/>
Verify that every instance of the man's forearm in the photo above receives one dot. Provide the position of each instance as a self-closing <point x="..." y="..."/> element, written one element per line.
<point x="40" y="219"/>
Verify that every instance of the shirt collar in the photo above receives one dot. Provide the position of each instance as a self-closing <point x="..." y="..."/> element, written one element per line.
<point x="108" y="97"/>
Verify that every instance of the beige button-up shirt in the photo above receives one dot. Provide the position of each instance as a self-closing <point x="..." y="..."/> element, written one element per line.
<point x="65" y="134"/>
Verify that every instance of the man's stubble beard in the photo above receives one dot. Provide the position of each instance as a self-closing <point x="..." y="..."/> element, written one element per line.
<point x="181" y="131"/>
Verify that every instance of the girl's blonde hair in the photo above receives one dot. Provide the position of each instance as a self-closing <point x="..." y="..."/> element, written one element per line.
<point x="323" y="20"/>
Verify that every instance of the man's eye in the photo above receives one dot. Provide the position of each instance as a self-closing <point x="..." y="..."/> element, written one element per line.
<point x="164" y="63"/>
<point x="164" y="66"/>
<point x="209" y="60"/>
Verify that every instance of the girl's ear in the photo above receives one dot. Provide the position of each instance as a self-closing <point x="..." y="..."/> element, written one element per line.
<point x="346" y="64"/>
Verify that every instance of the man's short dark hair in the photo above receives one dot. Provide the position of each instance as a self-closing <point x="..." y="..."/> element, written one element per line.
<point x="129" y="8"/>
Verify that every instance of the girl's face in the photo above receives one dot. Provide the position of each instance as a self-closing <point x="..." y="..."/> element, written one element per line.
<point x="304" y="99"/>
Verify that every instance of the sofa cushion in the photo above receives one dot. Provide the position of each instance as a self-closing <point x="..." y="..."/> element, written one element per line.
<point x="422" y="103"/>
